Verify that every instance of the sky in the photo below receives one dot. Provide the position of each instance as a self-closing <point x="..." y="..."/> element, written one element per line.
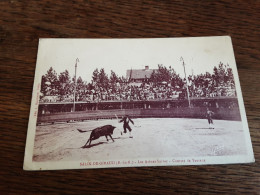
<point x="200" y="55"/>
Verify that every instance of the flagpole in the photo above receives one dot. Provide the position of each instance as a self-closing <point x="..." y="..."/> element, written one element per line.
<point x="188" y="94"/>
<point x="75" y="87"/>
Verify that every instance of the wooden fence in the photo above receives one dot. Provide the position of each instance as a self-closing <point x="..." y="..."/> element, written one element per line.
<point x="185" y="112"/>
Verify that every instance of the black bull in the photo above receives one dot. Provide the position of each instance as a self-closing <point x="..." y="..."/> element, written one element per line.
<point x="106" y="130"/>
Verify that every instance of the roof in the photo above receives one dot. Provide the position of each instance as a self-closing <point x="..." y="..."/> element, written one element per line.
<point x="139" y="73"/>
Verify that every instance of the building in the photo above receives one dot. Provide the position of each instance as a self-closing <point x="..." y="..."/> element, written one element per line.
<point x="139" y="75"/>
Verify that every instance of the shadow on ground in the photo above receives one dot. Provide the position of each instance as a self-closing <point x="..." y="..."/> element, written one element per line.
<point x="92" y="145"/>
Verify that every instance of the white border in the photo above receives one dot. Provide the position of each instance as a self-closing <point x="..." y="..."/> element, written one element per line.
<point x="30" y="165"/>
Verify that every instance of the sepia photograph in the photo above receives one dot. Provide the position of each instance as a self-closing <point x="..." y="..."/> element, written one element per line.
<point x="101" y="103"/>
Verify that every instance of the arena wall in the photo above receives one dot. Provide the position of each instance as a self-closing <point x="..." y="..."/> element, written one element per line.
<point x="182" y="112"/>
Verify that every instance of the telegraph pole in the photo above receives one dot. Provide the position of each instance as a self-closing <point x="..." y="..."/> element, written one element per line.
<point x="75" y="88"/>
<point x="188" y="94"/>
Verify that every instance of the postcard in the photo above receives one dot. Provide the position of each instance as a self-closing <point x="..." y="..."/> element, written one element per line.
<point x="104" y="103"/>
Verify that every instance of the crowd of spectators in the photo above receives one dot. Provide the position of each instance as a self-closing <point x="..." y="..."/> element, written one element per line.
<point x="128" y="92"/>
<point x="204" y="85"/>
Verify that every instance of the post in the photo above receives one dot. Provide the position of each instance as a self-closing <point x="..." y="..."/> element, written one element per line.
<point x="188" y="94"/>
<point x="75" y="87"/>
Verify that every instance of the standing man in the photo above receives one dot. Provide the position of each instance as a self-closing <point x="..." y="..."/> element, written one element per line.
<point x="126" y="119"/>
<point x="209" y="115"/>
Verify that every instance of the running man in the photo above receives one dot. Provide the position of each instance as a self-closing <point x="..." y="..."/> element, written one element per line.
<point x="126" y="119"/>
<point x="209" y="115"/>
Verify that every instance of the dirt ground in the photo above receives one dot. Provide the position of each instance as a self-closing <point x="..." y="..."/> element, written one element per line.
<point x="152" y="137"/>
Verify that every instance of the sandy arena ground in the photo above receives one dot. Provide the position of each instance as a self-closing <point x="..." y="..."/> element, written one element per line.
<point x="152" y="137"/>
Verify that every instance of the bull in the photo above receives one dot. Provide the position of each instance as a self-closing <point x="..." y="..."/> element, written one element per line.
<point x="98" y="132"/>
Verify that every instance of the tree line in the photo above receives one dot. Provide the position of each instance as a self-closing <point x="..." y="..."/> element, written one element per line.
<point x="63" y="84"/>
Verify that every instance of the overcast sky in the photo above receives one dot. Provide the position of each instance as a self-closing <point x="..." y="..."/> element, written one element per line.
<point x="200" y="54"/>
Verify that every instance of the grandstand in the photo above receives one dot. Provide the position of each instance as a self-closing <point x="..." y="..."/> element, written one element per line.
<point x="149" y="92"/>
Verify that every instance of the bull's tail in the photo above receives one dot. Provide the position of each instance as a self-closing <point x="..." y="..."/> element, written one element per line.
<point x="82" y="131"/>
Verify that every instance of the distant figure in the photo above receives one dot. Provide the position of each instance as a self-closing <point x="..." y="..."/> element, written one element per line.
<point x="209" y="115"/>
<point x="126" y="121"/>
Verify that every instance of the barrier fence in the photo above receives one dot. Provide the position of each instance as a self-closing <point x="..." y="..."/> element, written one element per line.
<point x="183" y="112"/>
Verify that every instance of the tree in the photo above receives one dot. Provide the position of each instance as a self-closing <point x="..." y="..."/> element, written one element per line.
<point x="95" y="76"/>
<point x="113" y="77"/>
<point x="49" y="84"/>
<point x="80" y="84"/>
<point x="89" y="87"/>
<point x="162" y="74"/>
<point x="100" y="78"/>
<point x="230" y="75"/>
<point x="221" y="72"/>
<point x="103" y="78"/>
<point x="172" y="72"/>
<point x="65" y="87"/>
<point x="216" y="76"/>
<point x="44" y="86"/>
<point x="80" y="89"/>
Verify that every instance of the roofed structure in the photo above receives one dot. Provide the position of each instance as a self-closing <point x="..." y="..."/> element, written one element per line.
<point x="138" y="75"/>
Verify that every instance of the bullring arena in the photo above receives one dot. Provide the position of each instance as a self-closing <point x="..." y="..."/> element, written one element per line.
<point x="152" y="137"/>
